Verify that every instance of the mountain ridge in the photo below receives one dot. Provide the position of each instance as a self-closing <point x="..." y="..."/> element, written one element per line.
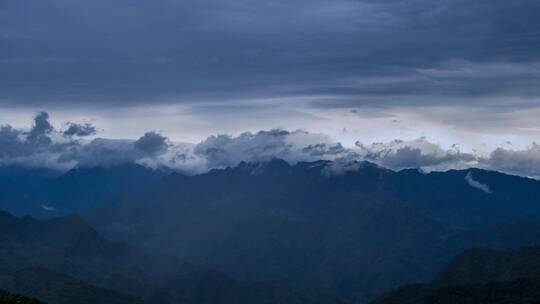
<point x="66" y="258"/>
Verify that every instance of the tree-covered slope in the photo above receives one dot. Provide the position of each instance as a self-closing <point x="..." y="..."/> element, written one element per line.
<point x="11" y="298"/>
<point x="57" y="288"/>
<point x="479" y="276"/>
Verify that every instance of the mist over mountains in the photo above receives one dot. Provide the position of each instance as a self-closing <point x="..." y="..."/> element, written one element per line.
<point x="77" y="145"/>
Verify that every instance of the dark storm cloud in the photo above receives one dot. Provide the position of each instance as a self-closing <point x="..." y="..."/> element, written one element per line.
<point x="34" y="148"/>
<point x="44" y="146"/>
<point x="122" y="52"/>
<point x="522" y="162"/>
<point x="40" y="129"/>
<point x="151" y="143"/>
<point x="75" y="129"/>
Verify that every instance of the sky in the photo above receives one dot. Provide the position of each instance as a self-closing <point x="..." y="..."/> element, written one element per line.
<point x="458" y="74"/>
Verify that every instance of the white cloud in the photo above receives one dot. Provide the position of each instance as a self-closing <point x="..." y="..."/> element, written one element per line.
<point x="476" y="184"/>
<point x="524" y="162"/>
<point x="48" y="208"/>
<point x="419" y="153"/>
<point x="49" y="148"/>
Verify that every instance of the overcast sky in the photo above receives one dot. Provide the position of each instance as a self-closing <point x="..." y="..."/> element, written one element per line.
<point x="463" y="72"/>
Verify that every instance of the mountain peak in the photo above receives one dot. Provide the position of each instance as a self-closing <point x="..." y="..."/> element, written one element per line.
<point x="269" y="163"/>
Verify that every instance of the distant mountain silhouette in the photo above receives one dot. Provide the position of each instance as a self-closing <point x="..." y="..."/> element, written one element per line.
<point x="479" y="276"/>
<point x="22" y="189"/>
<point x="41" y="192"/>
<point x="64" y="260"/>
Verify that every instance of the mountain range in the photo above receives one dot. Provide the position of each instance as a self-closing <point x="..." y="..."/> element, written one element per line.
<point x="349" y="230"/>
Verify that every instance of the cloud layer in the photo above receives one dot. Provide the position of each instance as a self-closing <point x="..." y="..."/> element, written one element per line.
<point x="354" y="52"/>
<point x="43" y="146"/>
